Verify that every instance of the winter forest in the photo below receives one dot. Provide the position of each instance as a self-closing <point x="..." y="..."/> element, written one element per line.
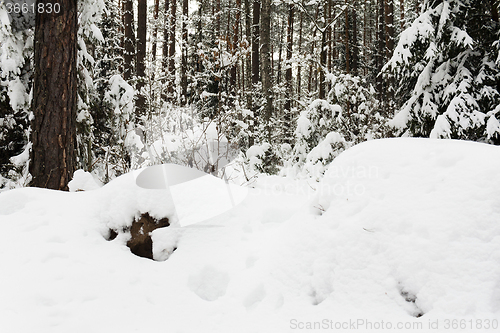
<point x="289" y="84"/>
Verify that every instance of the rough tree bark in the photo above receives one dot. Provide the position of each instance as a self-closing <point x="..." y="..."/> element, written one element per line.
<point x="265" y="38"/>
<point x="155" y="31"/>
<point x="164" y="53"/>
<point x="53" y="159"/>
<point x="142" y="10"/>
<point x="255" y="42"/>
<point x="171" y="48"/>
<point x="129" y="42"/>
<point x="236" y="41"/>
<point x="184" y="54"/>
<point x="288" y="76"/>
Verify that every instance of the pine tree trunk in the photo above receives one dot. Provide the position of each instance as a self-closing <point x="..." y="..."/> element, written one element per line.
<point x="53" y="159"/>
<point x="402" y="13"/>
<point x="494" y="10"/>
<point x="129" y="43"/>
<point x="312" y="72"/>
<point x="236" y="41"/>
<point x="280" y="51"/>
<point x="299" y="68"/>
<point x="165" y="55"/>
<point x="346" y="42"/>
<point x="184" y="54"/>
<point x="142" y="10"/>
<point x="171" y="48"/>
<point x="155" y="32"/>
<point x="389" y="35"/>
<point x="354" y="40"/>
<point x="265" y="37"/>
<point x="288" y="77"/>
<point x="380" y="49"/>
<point x="389" y="27"/>
<point x="256" y="42"/>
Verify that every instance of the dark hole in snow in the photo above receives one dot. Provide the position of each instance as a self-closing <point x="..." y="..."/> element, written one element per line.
<point x="112" y="235"/>
<point x="140" y="242"/>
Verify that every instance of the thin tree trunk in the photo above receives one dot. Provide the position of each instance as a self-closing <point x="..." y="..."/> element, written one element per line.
<point x="299" y="69"/>
<point x="129" y="49"/>
<point x="288" y="77"/>
<point x="184" y="54"/>
<point x="265" y="36"/>
<point x="248" y="33"/>
<point x="53" y="157"/>
<point x="389" y="37"/>
<point x="346" y="42"/>
<point x="256" y="42"/>
<point x="402" y="12"/>
<point x="311" y="66"/>
<point x="171" y="48"/>
<point x="328" y="19"/>
<point x="155" y="31"/>
<point x="164" y="60"/>
<point x="280" y="50"/>
<point x="365" y="36"/>
<point x="494" y="10"/>
<point x="354" y="40"/>
<point x="389" y="27"/>
<point x="380" y="49"/>
<point x="142" y="10"/>
<point x="236" y="41"/>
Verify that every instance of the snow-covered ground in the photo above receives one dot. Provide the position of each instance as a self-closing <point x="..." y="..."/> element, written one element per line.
<point x="401" y="235"/>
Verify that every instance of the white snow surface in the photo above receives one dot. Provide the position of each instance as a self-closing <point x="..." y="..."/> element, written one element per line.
<point x="396" y="228"/>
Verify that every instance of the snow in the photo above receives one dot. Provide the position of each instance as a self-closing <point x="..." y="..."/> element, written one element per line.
<point x="396" y="228"/>
<point x="83" y="181"/>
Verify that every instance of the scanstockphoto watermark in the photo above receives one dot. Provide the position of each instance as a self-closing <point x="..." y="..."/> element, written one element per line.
<point x="338" y="181"/>
<point x="477" y="324"/>
<point x="353" y="324"/>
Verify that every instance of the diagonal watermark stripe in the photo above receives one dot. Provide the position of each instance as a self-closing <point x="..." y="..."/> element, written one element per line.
<point x="197" y="196"/>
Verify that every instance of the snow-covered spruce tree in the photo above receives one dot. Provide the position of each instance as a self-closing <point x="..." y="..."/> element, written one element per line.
<point x="16" y="49"/>
<point x="111" y="103"/>
<point x="328" y="127"/>
<point x="89" y="37"/>
<point x="446" y="72"/>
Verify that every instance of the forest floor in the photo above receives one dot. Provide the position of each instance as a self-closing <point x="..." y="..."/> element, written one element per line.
<point x="400" y="234"/>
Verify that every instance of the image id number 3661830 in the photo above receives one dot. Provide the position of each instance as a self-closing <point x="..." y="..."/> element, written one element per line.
<point x="40" y="8"/>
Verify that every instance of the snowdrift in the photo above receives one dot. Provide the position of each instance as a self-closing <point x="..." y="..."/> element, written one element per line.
<point x="401" y="234"/>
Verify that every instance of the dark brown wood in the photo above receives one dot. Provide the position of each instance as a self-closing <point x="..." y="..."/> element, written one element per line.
<point x="402" y="14"/>
<point x="166" y="37"/>
<point x="53" y="159"/>
<point x="255" y="42"/>
<point x="155" y="30"/>
<point x="142" y="10"/>
<point x="288" y="75"/>
<point x="129" y="42"/>
<point x="280" y="51"/>
<point x="312" y="68"/>
<point x="265" y="39"/>
<point x="164" y="51"/>
<point x="379" y="57"/>
<point x="171" y="47"/>
<point x="184" y="53"/>
<point x="236" y="41"/>
<point x="299" y="68"/>
<point x="494" y="10"/>
<point x="389" y="27"/>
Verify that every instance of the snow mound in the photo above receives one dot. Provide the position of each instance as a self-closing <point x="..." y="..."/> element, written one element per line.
<point x="412" y="223"/>
<point x="400" y="234"/>
<point x="83" y="181"/>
